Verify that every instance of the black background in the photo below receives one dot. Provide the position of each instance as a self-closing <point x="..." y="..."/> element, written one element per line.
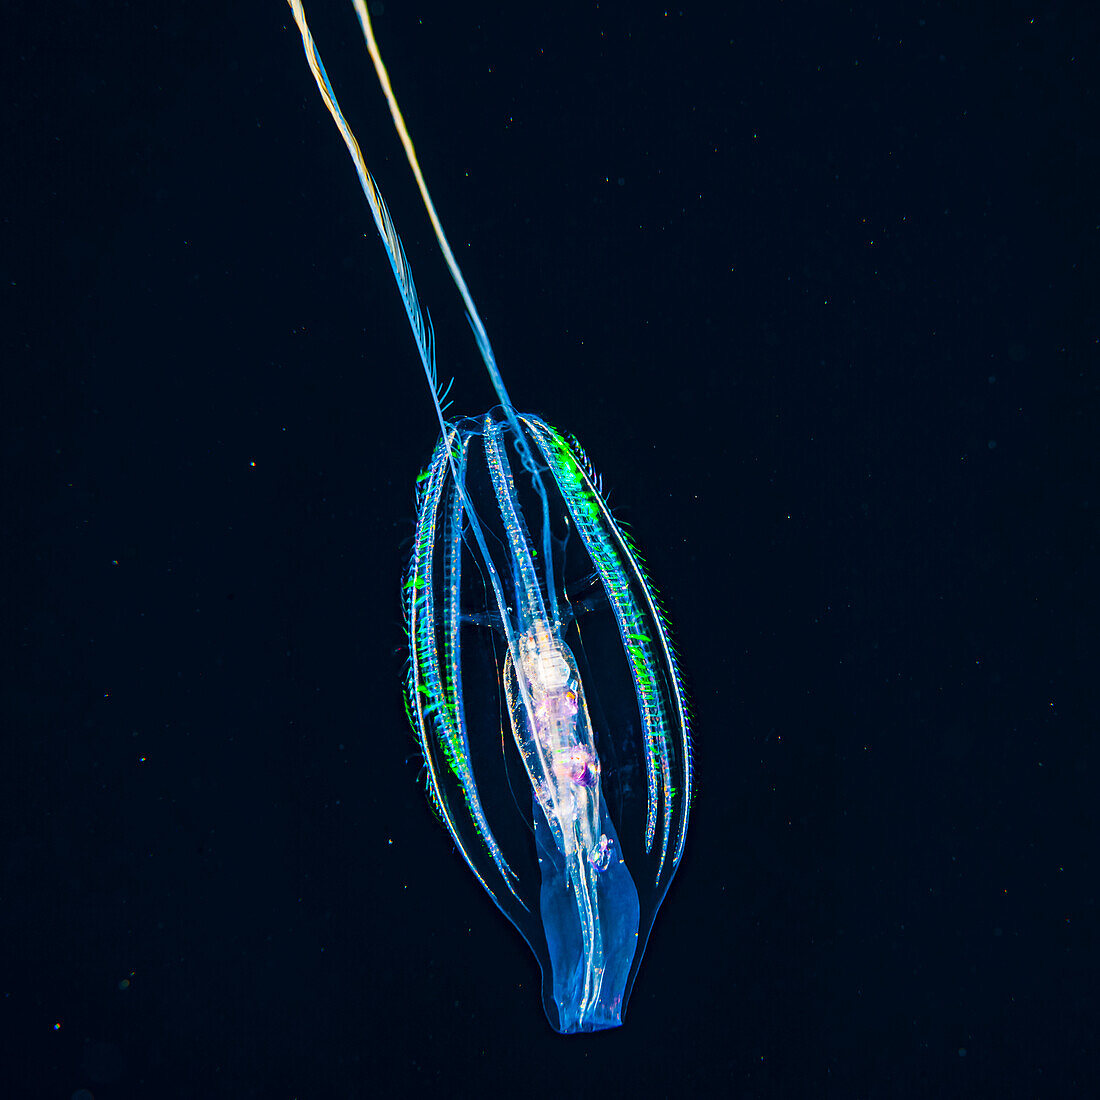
<point x="816" y="288"/>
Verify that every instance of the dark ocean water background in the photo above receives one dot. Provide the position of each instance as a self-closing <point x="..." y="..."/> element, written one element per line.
<point x="816" y="287"/>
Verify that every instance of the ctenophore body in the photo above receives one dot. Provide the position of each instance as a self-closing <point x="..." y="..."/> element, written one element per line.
<point x="545" y="693"/>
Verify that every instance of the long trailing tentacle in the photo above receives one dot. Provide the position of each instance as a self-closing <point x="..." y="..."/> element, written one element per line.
<point x="419" y="321"/>
<point x="530" y="462"/>
<point x="480" y="335"/>
<point x="422" y="331"/>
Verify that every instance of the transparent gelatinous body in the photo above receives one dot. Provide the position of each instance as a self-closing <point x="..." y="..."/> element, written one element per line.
<point x="543" y="685"/>
<point x="545" y="693"/>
